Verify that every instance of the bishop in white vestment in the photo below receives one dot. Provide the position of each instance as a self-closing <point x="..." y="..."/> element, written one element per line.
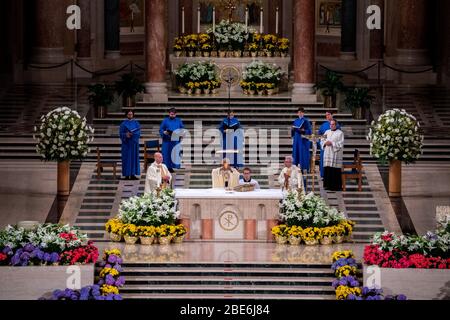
<point x="158" y="175"/>
<point x="333" y="146"/>
<point x="226" y="176"/>
<point x="291" y="177"/>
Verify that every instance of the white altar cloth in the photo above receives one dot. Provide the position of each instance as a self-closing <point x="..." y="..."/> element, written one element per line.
<point x="220" y="193"/>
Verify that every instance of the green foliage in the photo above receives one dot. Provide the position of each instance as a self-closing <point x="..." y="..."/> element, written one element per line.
<point x="129" y="85"/>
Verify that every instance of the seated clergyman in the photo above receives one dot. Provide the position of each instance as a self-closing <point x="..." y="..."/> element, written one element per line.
<point x="290" y="177"/>
<point x="226" y="176"/>
<point x="158" y="176"/>
<point x="247" y="179"/>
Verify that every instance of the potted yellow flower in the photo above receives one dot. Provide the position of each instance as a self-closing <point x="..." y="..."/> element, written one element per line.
<point x="260" y="88"/>
<point x="312" y="235"/>
<point x="190" y="86"/>
<point x="340" y="231"/>
<point x="348" y="225"/>
<point x="164" y="234"/>
<point x="328" y="233"/>
<point x="281" y="233"/>
<point x="146" y="234"/>
<point x="253" y="49"/>
<point x="206" y="49"/>
<point x="180" y="232"/>
<point x="114" y="228"/>
<point x="295" y="235"/>
<point x="130" y="233"/>
<point x="270" y="87"/>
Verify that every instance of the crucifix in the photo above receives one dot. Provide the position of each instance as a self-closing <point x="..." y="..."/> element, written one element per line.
<point x="230" y="6"/>
<point x="314" y="138"/>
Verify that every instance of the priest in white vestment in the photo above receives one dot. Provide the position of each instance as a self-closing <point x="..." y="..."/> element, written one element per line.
<point x="158" y="175"/>
<point x="226" y="176"/>
<point x="333" y="146"/>
<point x="291" y="177"/>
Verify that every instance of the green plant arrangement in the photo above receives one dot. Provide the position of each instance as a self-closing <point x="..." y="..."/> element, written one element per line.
<point x="358" y="100"/>
<point x="100" y="97"/>
<point x="128" y="86"/>
<point x="330" y="87"/>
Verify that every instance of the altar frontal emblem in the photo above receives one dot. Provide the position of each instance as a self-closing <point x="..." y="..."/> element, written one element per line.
<point x="228" y="221"/>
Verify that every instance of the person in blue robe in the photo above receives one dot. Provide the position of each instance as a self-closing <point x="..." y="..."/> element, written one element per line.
<point x="170" y="132"/>
<point x="323" y="128"/>
<point x="301" y="146"/>
<point x="232" y="139"/>
<point x="130" y="132"/>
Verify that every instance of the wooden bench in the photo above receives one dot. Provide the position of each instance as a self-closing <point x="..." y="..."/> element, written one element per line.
<point x="105" y="164"/>
<point x="352" y="170"/>
<point x="150" y="148"/>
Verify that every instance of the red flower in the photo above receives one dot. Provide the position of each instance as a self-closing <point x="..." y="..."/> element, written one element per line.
<point x="68" y="236"/>
<point x="387" y="237"/>
<point x="3" y="256"/>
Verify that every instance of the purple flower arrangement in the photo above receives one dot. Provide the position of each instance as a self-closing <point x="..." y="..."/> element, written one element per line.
<point x="348" y="281"/>
<point x="344" y="262"/>
<point x="110" y="279"/>
<point x="30" y="255"/>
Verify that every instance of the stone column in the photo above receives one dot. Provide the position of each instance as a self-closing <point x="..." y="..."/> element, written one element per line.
<point x="112" y="29"/>
<point x="377" y="36"/>
<point x="348" y="30"/>
<point x="155" y="51"/>
<point x="84" y="34"/>
<point x="412" y="46"/>
<point x="49" y="27"/>
<point x="304" y="53"/>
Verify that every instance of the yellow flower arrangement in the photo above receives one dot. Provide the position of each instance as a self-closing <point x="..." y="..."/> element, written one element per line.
<point x="257" y="37"/>
<point x="130" y="230"/>
<point x="342" y="254"/>
<point x="348" y="226"/>
<point x="260" y="86"/>
<point x="270" y="86"/>
<point x="180" y="230"/>
<point x="204" y="38"/>
<point x="163" y="230"/>
<point x="281" y="230"/>
<point x="146" y="231"/>
<point x="116" y="252"/>
<point x="343" y="291"/>
<point x="253" y="47"/>
<point x="206" y="47"/>
<point x="177" y="47"/>
<point x="330" y="231"/>
<point x="295" y="231"/>
<point x="270" y="38"/>
<point x="106" y="289"/>
<point x="270" y="47"/>
<point x="114" y="226"/>
<point x="190" y="85"/>
<point x="345" y="271"/>
<point x="196" y="85"/>
<point x="312" y="233"/>
<point x="110" y="271"/>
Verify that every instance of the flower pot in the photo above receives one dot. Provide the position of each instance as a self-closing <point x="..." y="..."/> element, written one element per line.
<point x="295" y="241"/>
<point x="178" y="239"/>
<point x="100" y="112"/>
<point x="269" y="54"/>
<point x="63" y="177"/>
<point x="222" y="54"/>
<point x="237" y="53"/>
<point x="280" y="240"/>
<point x="177" y="53"/>
<point x="338" y="239"/>
<point x="206" y="91"/>
<point x="253" y="54"/>
<point x="214" y="91"/>
<point x="189" y="91"/>
<point x="329" y="102"/>
<point x="198" y="91"/>
<point x="146" y="240"/>
<point x="348" y="238"/>
<point x="326" y="240"/>
<point x="283" y="54"/>
<point x="191" y="53"/>
<point x="214" y="53"/>
<point x="206" y="54"/>
<point x="359" y="113"/>
<point x="270" y="92"/>
<point x="130" y="239"/>
<point x="245" y="91"/>
<point x="182" y="89"/>
<point x="260" y="92"/>
<point x="251" y="92"/>
<point x="129" y="102"/>
<point x="115" y="237"/>
<point x="395" y="178"/>
<point x="311" y="242"/>
<point x="165" y="240"/>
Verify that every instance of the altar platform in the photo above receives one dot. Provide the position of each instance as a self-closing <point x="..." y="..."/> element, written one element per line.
<point x="219" y="214"/>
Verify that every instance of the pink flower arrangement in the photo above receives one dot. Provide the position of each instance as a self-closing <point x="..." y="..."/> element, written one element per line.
<point x="373" y="255"/>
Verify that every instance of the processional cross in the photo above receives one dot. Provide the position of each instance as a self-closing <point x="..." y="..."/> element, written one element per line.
<point x="314" y="138"/>
<point x="230" y="6"/>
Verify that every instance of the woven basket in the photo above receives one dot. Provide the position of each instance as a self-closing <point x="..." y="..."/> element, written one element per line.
<point x="245" y="188"/>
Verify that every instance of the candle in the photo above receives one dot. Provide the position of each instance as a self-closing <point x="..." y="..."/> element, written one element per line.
<point x="214" y="19"/>
<point x="276" y="22"/>
<point x="246" y="19"/>
<point x="182" y="20"/>
<point x="198" y="19"/>
<point x="261" y="28"/>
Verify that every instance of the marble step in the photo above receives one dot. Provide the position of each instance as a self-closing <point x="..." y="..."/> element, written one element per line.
<point x="195" y="296"/>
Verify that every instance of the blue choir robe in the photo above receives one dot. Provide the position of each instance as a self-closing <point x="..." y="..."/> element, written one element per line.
<point x="301" y="145"/>
<point x="323" y="128"/>
<point x="171" y="150"/>
<point x="130" y="147"/>
<point x="233" y="141"/>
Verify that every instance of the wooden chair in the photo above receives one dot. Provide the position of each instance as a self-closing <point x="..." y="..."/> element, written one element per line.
<point x="105" y="164"/>
<point x="353" y="170"/>
<point x="150" y="148"/>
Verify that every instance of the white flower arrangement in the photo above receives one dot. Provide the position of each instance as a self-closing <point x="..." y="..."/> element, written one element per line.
<point x="149" y="209"/>
<point x="309" y="211"/>
<point x="46" y="236"/>
<point x="229" y="34"/>
<point x="63" y="135"/>
<point x="260" y="72"/>
<point x="197" y="71"/>
<point x="395" y="136"/>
